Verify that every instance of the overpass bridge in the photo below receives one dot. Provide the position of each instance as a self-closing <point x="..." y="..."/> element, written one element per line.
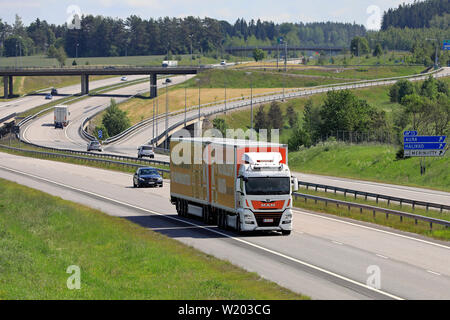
<point x="85" y="72"/>
<point x="288" y="48"/>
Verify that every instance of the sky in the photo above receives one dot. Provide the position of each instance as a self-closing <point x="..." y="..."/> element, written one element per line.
<point x="366" y="12"/>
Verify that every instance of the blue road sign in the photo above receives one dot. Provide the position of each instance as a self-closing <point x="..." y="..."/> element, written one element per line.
<point x="100" y="133"/>
<point x="446" y="45"/>
<point x="426" y="139"/>
<point x="424" y="146"/>
<point x="410" y="133"/>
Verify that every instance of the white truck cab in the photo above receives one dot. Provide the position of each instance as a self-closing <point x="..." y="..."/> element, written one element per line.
<point x="265" y="189"/>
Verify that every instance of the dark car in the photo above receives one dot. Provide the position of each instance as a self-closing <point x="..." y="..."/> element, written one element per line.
<point x="94" y="145"/>
<point x="54" y="92"/>
<point x="168" y="80"/>
<point x="146" y="177"/>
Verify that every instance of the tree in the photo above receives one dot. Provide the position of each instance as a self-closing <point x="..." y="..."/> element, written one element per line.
<point x="220" y="125"/>
<point x="342" y="110"/>
<point x="15" y="45"/>
<point x="400" y="89"/>
<point x="292" y="116"/>
<point x="61" y="56"/>
<point x="52" y="52"/>
<point x="115" y="120"/>
<point x="359" y="46"/>
<point x="258" y="54"/>
<point x="261" y="119"/>
<point x="429" y="88"/>
<point x="413" y="105"/>
<point x="275" y="116"/>
<point x="299" y="137"/>
<point x="378" y="51"/>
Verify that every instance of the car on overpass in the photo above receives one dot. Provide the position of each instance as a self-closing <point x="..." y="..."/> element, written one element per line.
<point x="147" y="176"/>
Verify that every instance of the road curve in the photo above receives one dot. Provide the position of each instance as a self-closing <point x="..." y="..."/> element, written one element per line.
<point x="325" y="257"/>
<point x="28" y="102"/>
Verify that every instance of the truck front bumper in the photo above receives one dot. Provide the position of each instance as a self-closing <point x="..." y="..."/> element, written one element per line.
<point x="250" y="223"/>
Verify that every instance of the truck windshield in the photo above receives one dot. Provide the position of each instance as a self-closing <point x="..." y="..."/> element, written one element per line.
<point x="268" y="186"/>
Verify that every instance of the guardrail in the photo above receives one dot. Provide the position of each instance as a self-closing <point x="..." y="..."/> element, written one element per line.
<point x="374" y="209"/>
<point x="288" y="93"/>
<point x="101" y="155"/>
<point x="66" y="156"/>
<point x="296" y="195"/>
<point x="12" y="115"/>
<point x="376" y="196"/>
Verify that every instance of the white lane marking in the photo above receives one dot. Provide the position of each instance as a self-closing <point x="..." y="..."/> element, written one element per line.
<point x="211" y="230"/>
<point x="373" y="229"/>
<point x="432" y="272"/>
<point x="381" y="256"/>
<point x="337" y="242"/>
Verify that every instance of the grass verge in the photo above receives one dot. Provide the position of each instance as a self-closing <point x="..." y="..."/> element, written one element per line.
<point x="43" y="235"/>
<point x="374" y="162"/>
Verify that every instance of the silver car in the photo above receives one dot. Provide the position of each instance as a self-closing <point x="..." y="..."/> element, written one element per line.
<point x="146" y="151"/>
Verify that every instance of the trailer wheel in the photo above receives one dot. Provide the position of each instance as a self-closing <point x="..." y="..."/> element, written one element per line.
<point x="184" y="208"/>
<point x="178" y="207"/>
<point x="205" y="214"/>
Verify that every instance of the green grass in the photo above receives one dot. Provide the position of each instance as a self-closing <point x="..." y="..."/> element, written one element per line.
<point x="374" y="162"/>
<point x="363" y="73"/>
<point x="42" y="235"/>
<point x="259" y="79"/>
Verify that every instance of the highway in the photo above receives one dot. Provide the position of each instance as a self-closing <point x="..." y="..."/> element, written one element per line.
<point x="40" y="132"/>
<point x="28" y="102"/>
<point x="325" y="257"/>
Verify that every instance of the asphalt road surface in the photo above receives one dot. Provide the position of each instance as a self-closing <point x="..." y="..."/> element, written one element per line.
<point x="325" y="257"/>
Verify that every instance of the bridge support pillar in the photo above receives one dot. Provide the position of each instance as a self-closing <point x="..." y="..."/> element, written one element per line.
<point x="153" y="86"/>
<point x="11" y="86"/>
<point x="84" y="84"/>
<point x="5" y="87"/>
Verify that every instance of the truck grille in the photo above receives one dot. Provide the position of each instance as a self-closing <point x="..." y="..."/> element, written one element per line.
<point x="260" y="219"/>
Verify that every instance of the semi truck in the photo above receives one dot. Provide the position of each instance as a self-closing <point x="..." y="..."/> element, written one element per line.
<point x="239" y="184"/>
<point x="169" y="63"/>
<point x="61" y="116"/>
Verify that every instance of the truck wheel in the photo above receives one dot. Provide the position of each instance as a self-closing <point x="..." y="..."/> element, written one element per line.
<point x="286" y="232"/>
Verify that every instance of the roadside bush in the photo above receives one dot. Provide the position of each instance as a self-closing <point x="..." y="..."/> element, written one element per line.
<point x="115" y="120"/>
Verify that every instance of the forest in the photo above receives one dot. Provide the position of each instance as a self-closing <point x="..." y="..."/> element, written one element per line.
<point x="403" y="28"/>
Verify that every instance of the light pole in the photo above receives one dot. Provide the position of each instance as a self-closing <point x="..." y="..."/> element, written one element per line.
<point x="198" y="81"/>
<point x="251" y="105"/>
<point x="76" y="50"/>
<point x="153" y="122"/>
<point x="167" y="115"/>
<point x="190" y="37"/>
<point x="225" y="87"/>
<point x="436" y="52"/>
<point x="185" y="100"/>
